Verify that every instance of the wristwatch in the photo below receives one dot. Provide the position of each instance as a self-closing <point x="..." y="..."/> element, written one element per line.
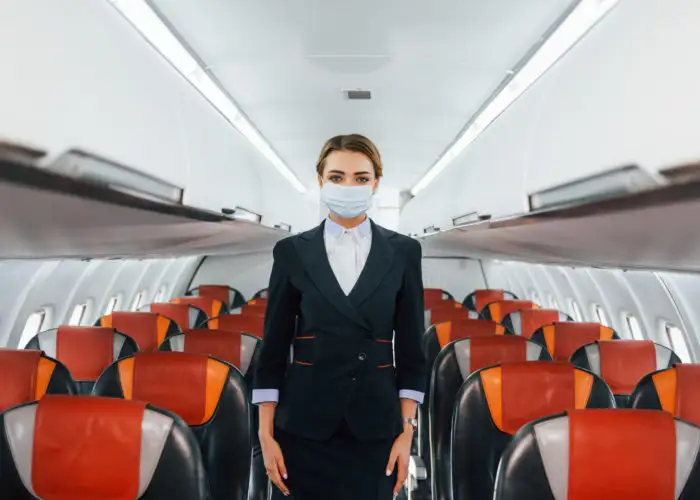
<point x="412" y="421"/>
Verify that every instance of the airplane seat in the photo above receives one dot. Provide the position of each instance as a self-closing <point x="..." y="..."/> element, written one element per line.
<point x="599" y="454"/>
<point x="29" y="375"/>
<point x="479" y="299"/>
<point x="86" y="351"/>
<point x="623" y="363"/>
<point x="240" y="350"/>
<point x="497" y="310"/>
<point x="80" y="447"/>
<point x="675" y="390"/>
<point x="208" y="394"/>
<point x="527" y="321"/>
<point x="447" y="311"/>
<point x="186" y="316"/>
<point x="147" y="329"/>
<point x="213" y="307"/>
<point x="261" y="294"/>
<point x="250" y="310"/>
<point x="436" y="338"/>
<point x="451" y="368"/>
<point x="226" y="294"/>
<point x="250" y="324"/>
<point x="236" y="348"/>
<point x="495" y="402"/>
<point x="436" y="296"/>
<point x="562" y="339"/>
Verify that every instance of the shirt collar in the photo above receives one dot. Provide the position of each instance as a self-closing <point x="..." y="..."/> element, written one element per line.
<point x="332" y="228"/>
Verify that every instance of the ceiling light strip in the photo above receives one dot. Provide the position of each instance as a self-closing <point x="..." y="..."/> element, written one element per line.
<point x="142" y="16"/>
<point x="576" y="24"/>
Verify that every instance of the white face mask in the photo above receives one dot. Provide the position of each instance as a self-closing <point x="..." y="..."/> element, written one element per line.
<point x="347" y="202"/>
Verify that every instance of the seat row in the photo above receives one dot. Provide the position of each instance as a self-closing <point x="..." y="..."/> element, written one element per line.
<point x="173" y="422"/>
<point x="488" y="384"/>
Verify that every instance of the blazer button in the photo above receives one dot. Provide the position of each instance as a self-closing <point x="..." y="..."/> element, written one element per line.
<point x="353" y="374"/>
<point x="362" y="356"/>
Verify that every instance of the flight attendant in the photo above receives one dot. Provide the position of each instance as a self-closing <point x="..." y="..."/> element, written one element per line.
<point x="337" y="421"/>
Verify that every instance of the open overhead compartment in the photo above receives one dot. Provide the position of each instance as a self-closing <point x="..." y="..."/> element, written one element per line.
<point x="47" y="213"/>
<point x="651" y="226"/>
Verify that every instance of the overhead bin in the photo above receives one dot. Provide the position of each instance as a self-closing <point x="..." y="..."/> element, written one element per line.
<point x="642" y="228"/>
<point x="48" y="214"/>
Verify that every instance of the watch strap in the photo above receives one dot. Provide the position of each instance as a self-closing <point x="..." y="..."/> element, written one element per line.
<point x="412" y="421"/>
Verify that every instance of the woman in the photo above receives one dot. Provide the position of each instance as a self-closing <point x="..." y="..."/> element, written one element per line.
<point x="337" y="423"/>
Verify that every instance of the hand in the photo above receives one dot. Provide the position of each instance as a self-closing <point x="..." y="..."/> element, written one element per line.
<point x="274" y="462"/>
<point x="400" y="454"/>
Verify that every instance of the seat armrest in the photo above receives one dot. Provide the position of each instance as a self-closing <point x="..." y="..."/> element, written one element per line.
<point x="417" y="468"/>
<point x="417" y="485"/>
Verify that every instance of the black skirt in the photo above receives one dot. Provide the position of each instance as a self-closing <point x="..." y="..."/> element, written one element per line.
<point x="341" y="468"/>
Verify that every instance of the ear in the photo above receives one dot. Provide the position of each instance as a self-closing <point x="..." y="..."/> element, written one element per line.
<point x="320" y="181"/>
<point x="376" y="185"/>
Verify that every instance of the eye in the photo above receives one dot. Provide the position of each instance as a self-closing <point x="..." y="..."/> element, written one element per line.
<point x="335" y="178"/>
<point x="363" y="180"/>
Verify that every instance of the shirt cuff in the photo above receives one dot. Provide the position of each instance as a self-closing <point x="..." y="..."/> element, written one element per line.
<point x="265" y="396"/>
<point x="414" y="395"/>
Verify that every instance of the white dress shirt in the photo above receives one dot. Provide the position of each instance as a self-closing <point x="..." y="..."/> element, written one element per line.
<point x="347" y="251"/>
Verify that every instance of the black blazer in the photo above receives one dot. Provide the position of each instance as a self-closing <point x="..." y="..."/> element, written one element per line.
<point x="343" y="365"/>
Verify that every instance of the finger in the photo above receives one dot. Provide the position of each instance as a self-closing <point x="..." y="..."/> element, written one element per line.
<point x="281" y="466"/>
<point x="392" y="462"/>
<point x="400" y="477"/>
<point x="277" y="481"/>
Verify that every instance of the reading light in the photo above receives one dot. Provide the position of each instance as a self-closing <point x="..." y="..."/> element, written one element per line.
<point x="581" y="19"/>
<point x="158" y="34"/>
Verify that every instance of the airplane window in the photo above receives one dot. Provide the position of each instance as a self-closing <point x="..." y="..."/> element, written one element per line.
<point x="160" y="294"/>
<point x="602" y="318"/>
<point x="575" y="311"/>
<point x="138" y="301"/>
<point x="634" y="328"/>
<point x="112" y="305"/>
<point x="33" y="326"/>
<point x="677" y="340"/>
<point x="77" y="316"/>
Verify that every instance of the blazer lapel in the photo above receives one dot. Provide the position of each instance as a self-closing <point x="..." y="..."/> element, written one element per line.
<point x="379" y="262"/>
<point x="312" y="251"/>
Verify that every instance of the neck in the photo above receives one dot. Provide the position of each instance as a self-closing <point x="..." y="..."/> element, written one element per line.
<point x="348" y="223"/>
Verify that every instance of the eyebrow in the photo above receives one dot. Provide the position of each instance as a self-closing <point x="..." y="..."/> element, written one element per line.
<point x="343" y="173"/>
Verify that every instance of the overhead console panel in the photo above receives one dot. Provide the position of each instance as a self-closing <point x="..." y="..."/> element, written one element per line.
<point x="89" y="207"/>
<point x="654" y="224"/>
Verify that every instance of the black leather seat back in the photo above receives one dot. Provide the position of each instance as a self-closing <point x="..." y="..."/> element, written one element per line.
<point x="600" y="454"/>
<point x="452" y="366"/>
<point x="495" y="402"/>
<point x="29" y="375"/>
<point x="83" y="447"/>
<point x="623" y="363"/>
<point x="479" y="299"/>
<point x="209" y="395"/>
<point x="86" y="351"/>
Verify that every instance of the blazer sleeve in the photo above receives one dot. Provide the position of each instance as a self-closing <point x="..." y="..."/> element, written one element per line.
<point x="408" y="328"/>
<point x="280" y="325"/>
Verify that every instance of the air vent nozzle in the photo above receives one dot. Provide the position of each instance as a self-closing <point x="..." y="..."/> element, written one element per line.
<point x="358" y="94"/>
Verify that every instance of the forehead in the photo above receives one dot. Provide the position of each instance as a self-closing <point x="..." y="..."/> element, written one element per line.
<point x="348" y="162"/>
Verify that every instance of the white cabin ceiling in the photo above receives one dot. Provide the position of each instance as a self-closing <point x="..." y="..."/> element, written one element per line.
<point x="429" y="65"/>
